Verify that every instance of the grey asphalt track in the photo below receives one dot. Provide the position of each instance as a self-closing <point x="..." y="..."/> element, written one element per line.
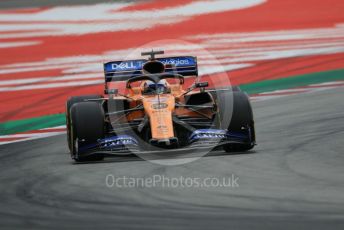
<point x="292" y="180"/>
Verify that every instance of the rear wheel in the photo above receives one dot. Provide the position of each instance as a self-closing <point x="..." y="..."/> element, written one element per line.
<point x="70" y="102"/>
<point x="235" y="114"/>
<point x="87" y="125"/>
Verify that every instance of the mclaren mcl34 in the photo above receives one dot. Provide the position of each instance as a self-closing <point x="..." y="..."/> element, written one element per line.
<point x="147" y="107"/>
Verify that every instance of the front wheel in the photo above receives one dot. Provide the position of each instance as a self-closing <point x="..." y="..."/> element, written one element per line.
<point x="70" y="102"/>
<point x="235" y="114"/>
<point x="87" y="126"/>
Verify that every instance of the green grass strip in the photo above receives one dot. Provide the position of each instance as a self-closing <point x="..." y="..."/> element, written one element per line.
<point x="17" y="126"/>
<point x="292" y="82"/>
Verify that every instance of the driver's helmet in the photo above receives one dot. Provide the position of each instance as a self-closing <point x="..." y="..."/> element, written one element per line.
<point x="152" y="87"/>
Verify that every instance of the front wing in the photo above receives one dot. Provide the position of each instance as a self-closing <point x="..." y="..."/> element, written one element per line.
<point x="199" y="139"/>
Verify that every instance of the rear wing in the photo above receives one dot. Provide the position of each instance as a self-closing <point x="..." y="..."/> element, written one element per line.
<point x="124" y="70"/>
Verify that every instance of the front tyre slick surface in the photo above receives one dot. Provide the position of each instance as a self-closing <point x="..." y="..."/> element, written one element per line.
<point x="87" y="126"/>
<point x="70" y="102"/>
<point x="241" y="117"/>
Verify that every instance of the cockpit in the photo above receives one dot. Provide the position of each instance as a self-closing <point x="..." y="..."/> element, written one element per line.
<point x="151" y="87"/>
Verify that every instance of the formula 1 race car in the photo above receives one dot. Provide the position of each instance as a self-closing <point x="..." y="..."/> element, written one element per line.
<point x="156" y="113"/>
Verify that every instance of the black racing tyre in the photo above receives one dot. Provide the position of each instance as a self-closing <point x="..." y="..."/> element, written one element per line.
<point x="87" y="124"/>
<point x="235" y="113"/>
<point x="70" y="102"/>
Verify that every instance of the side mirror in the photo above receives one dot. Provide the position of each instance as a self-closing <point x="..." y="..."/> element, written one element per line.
<point x="111" y="91"/>
<point x="201" y="84"/>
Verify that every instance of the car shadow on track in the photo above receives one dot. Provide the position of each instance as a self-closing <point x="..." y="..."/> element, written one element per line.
<point x="134" y="157"/>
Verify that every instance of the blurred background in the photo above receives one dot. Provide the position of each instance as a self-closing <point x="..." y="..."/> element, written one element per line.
<point x="288" y="55"/>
